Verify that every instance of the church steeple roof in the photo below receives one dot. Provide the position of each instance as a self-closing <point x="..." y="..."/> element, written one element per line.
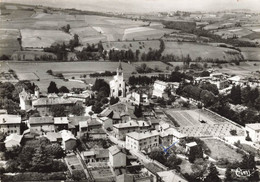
<point x="120" y="66"/>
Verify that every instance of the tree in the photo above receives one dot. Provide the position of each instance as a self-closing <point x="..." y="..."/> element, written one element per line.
<point x="213" y="174"/>
<point x="49" y="72"/>
<point x="63" y="89"/>
<point x="138" y="111"/>
<point x="77" y="110"/>
<point x="158" y="155"/>
<point x="41" y="160"/>
<point x="113" y="100"/>
<point x="58" y="110"/>
<point x="228" y="175"/>
<point x="235" y="94"/>
<point x="173" y="161"/>
<point x="55" y="150"/>
<point x="25" y="157"/>
<point x="101" y="85"/>
<point x="257" y="104"/>
<point x="53" y="88"/>
<point x="177" y="68"/>
<point x="195" y="152"/>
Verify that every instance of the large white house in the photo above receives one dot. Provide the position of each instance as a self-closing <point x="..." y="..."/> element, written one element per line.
<point x="159" y="88"/>
<point x="142" y="141"/>
<point x="117" y="85"/>
<point x="253" y="131"/>
<point x="10" y="123"/>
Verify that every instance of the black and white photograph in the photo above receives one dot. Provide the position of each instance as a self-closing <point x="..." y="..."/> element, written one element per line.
<point x="130" y="90"/>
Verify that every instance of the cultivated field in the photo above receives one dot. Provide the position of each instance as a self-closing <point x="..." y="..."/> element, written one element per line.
<point x="245" y="69"/>
<point x="251" y="53"/>
<point x="71" y="69"/>
<point x="221" y="150"/>
<point x="43" y="38"/>
<point x="8" y="41"/>
<point x="200" y="50"/>
<point x="154" y="64"/>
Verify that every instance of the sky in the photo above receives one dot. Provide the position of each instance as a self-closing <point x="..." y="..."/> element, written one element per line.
<point x="143" y="6"/>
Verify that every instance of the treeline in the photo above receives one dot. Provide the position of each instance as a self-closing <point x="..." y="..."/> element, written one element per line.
<point x="180" y="25"/>
<point x="106" y="73"/>
<point x="145" y="80"/>
<point x="91" y="52"/>
<point x="61" y="50"/>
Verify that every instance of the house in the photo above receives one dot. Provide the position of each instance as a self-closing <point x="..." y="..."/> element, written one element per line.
<point x="118" y="87"/>
<point x="137" y="98"/>
<point x="107" y="122"/>
<point x="116" y="157"/>
<point x="170" y="176"/>
<point x="97" y="134"/>
<point x="152" y="169"/>
<point x="122" y="129"/>
<point x="142" y="141"/>
<point x="81" y="97"/>
<point x="26" y="98"/>
<point x="41" y="124"/>
<point x="61" y="123"/>
<point x="143" y="126"/>
<point x="93" y="124"/>
<point x="159" y="89"/>
<point x="73" y="125"/>
<point x="169" y="136"/>
<point x="253" y="131"/>
<point x="43" y="105"/>
<point x="69" y="142"/>
<point x="10" y="123"/>
<point x="190" y="146"/>
<point x="54" y="137"/>
<point x="13" y="140"/>
<point x="97" y="155"/>
<point x="125" y="178"/>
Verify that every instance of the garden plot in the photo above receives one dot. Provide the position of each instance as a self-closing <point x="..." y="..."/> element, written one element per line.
<point x="43" y="38"/>
<point x="220" y="149"/>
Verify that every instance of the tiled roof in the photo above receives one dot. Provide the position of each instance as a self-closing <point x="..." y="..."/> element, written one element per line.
<point x="61" y="120"/>
<point x="52" y="136"/>
<point x="114" y="149"/>
<point x="67" y="135"/>
<point x="76" y="119"/>
<point x="53" y="101"/>
<point x="14" y="137"/>
<point x="142" y="135"/>
<point x="128" y="124"/>
<point x="254" y="126"/>
<point x="10" y="119"/>
<point x="93" y="122"/>
<point x="41" y="120"/>
<point x="97" y="131"/>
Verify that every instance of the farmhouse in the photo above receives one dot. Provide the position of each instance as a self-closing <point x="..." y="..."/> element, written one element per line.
<point x="253" y="131"/>
<point x="69" y="142"/>
<point x="43" y="105"/>
<point x="10" y="123"/>
<point x="41" y="124"/>
<point x="117" y="158"/>
<point x="12" y="140"/>
<point x="142" y="141"/>
<point x="159" y="89"/>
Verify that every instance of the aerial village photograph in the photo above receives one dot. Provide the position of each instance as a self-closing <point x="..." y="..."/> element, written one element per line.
<point x="130" y="90"/>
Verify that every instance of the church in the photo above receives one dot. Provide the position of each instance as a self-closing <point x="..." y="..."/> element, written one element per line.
<point x="118" y="87"/>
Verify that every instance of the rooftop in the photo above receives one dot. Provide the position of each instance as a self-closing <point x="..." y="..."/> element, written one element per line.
<point x="76" y="119"/>
<point x="61" y="120"/>
<point x="153" y="168"/>
<point x="53" y="101"/>
<point x="128" y="124"/>
<point x="191" y="144"/>
<point x="254" y="126"/>
<point x="41" y="120"/>
<point x="161" y="83"/>
<point x="52" y="136"/>
<point x="10" y="119"/>
<point x="67" y="135"/>
<point x="114" y="149"/>
<point x="170" y="176"/>
<point x="143" y="135"/>
<point x="14" y="137"/>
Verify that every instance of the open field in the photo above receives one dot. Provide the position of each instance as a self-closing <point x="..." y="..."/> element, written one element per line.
<point x="154" y="64"/>
<point x="251" y="53"/>
<point x="221" y="150"/>
<point x="70" y="68"/>
<point x="8" y="41"/>
<point x="43" y="38"/>
<point x="204" y="51"/>
<point x="142" y="46"/>
<point x="245" y="69"/>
